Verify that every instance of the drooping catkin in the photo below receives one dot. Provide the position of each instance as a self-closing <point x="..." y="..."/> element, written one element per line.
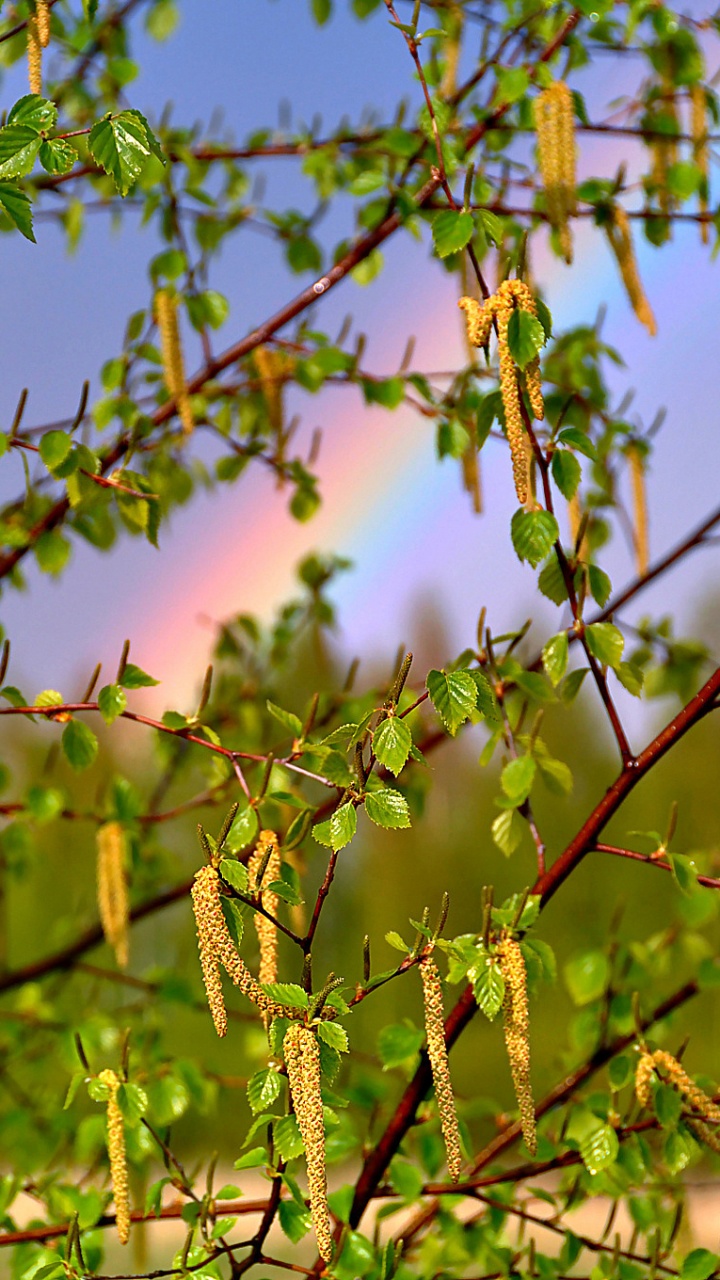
<point x="510" y="295"/>
<point x="663" y="146"/>
<point x="699" y="132"/>
<point x="112" y="890"/>
<point x="117" y="1155"/>
<point x="439" y="1065"/>
<point x="302" y="1059"/>
<point x="42" y="17"/>
<point x="554" y="114"/>
<point x="34" y="56"/>
<point x="517" y="1029"/>
<point x="619" y="235"/>
<point x="267" y="851"/>
<point x="678" y="1077"/>
<point x="166" y="305"/>
<point x="217" y="948"/>
<point x="636" y="463"/>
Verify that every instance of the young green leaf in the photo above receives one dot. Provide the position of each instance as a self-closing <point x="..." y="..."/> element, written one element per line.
<point x="79" y="744"/>
<point x="339" y="829"/>
<point x="517" y="778"/>
<point x="489" y="989"/>
<point x="112" y="702"/>
<point x="600" y="1148"/>
<point x="453" y="695"/>
<point x="18" y="208"/>
<point x="451" y="230"/>
<point x="526" y="337"/>
<point x="555" y="657"/>
<point x="392" y="742"/>
<point x="533" y="534"/>
<point x="387" y="808"/>
<point x="605" y="642"/>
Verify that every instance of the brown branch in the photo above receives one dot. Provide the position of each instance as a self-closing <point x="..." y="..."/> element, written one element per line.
<point x="653" y="861"/>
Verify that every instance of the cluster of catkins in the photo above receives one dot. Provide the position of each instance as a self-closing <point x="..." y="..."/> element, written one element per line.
<point x="38" y="38"/>
<point x="498" y="309"/>
<point x="554" y="114"/>
<point x="166" y="305"/>
<point x="704" y="1108"/>
<point x="517" y="1031"/>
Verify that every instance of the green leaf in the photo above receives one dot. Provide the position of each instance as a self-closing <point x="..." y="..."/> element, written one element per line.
<point x="18" y="208"/>
<point x="19" y="146"/>
<point x="54" y="448"/>
<point x="684" y="872"/>
<point x="668" y="1106"/>
<point x="453" y="695"/>
<point x="287" y="1139"/>
<point x="551" y="581"/>
<point x="517" y="778"/>
<point x="335" y="1035"/>
<point x="234" y="873"/>
<point x="605" y="642"/>
<point x="339" y="830"/>
<point x="451" y="231"/>
<point x="162" y="19"/>
<point x="566" y="472"/>
<point x="295" y="1222"/>
<point x="135" y="678"/>
<point x="512" y="83"/>
<point x="79" y="744"/>
<point x="321" y="11"/>
<point x="555" y="657"/>
<point x="133" y="1101"/>
<point x="121" y="146"/>
<point x="631" y="677"/>
<point x="587" y="976"/>
<point x="507" y="831"/>
<point x="398" y="1042"/>
<point x="288" y="993"/>
<point x="263" y="1088"/>
<point x="57" y="156"/>
<point x="489" y="988"/>
<point x="255" y="1158"/>
<point x="526" y="337"/>
<point x="621" y="1071"/>
<point x="111" y="701"/>
<point x="287" y="719"/>
<point x="52" y="551"/>
<point x="243" y="829"/>
<point x="544" y="316"/>
<point x="34" y="111"/>
<point x="578" y="440"/>
<point x="599" y="1149"/>
<point x="392" y="741"/>
<point x="600" y="584"/>
<point x="699" y="1265"/>
<point x="393" y="939"/>
<point x="387" y="808"/>
<point x="533" y="534"/>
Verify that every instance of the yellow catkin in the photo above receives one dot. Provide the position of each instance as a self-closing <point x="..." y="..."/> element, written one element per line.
<point x="302" y="1059"/>
<point x="575" y="515"/>
<point x="437" y="1053"/>
<point x="112" y="890"/>
<point x="510" y="295"/>
<point x="709" y="1136"/>
<point x="554" y="114"/>
<point x="34" y="56"/>
<point x="166" y="305"/>
<point x="117" y="1156"/>
<point x="517" y="1033"/>
<point x="265" y="929"/>
<point x="42" y="17"/>
<point x="678" y="1077"/>
<point x="665" y="151"/>
<point x="699" y="132"/>
<point x="217" y="948"/>
<point x="270" y="365"/>
<point x="618" y="232"/>
<point x="636" y="464"/>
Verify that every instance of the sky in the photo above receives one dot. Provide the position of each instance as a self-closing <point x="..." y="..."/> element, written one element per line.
<point x="387" y="504"/>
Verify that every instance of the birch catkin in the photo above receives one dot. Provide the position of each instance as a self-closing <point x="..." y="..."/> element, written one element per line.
<point x="34" y="56"/>
<point x="618" y="232"/>
<point x="42" y="17"/>
<point x="117" y="1156"/>
<point x="517" y="1028"/>
<point x="302" y="1059"/>
<point x="640" y="515"/>
<point x="679" y="1079"/>
<point x="166" y="305"/>
<point x="112" y="891"/>
<point x="437" y="1053"/>
<point x="554" y="114"/>
<point x="699" y="132"/>
<point x="267" y="851"/>
<point x="217" y="948"/>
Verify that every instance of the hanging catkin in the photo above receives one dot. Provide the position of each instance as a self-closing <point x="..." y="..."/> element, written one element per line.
<point x="267" y="852"/>
<point x="678" y="1077"/>
<point x="112" y="890"/>
<point x="636" y="463"/>
<point x="117" y="1155"/>
<point x="217" y="948"/>
<point x="618" y="232"/>
<point x="554" y="114"/>
<point x="34" y="56"/>
<point x="437" y="1053"/>
<point x="511" y="295"/>
<point x="302" y="1059"/>
<point x="699" y="132"/>
<point x="517" y="1037"/>
<point x="166" y="304"/>
<point x="664" y="149"/>
<point x="42" y="17"/>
